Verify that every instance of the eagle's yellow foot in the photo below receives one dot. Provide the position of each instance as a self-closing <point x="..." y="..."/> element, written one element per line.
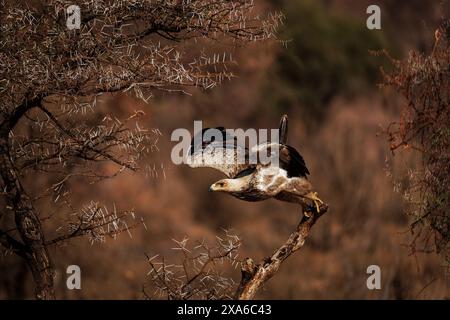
<point x="315" y="198"/>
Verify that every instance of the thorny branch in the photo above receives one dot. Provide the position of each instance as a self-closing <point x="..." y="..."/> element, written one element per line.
<point x="96" y="222"/>
<point x="198" y="276"/>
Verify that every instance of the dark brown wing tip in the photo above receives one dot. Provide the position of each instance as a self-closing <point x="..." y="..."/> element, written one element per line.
<point x="283" y="129"/>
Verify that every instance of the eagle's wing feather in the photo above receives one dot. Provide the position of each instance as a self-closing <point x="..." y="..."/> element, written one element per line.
<point x="220" y="153"/>
<point x="292" y="162"/>
<point x="283" y="130"/>
<point x="289" y="158"/>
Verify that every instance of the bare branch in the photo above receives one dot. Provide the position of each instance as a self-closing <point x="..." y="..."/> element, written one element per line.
<point x="198" y="276"/>
<point x="254" y="277"/>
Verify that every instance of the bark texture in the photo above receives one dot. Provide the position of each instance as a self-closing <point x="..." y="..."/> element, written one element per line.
<point x="255" y="276"/>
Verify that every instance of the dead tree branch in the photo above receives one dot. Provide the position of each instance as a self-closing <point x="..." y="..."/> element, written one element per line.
<point x="254" y="277"/>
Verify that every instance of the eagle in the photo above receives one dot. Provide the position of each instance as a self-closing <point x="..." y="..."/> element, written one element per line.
<point x="285" y="179"/>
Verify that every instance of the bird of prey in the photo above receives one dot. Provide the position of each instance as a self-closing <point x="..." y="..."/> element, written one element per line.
<point x="285" y="181"/>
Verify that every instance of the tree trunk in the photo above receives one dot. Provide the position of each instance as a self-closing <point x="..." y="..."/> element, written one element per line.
<point x="28" y="226"/>
<point x="43" y="273"/>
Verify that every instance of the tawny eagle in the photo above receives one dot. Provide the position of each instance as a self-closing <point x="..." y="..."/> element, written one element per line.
<point x="286" y="180"/>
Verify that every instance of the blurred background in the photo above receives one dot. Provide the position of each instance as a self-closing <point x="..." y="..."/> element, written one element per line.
<point x="326" y="80"/>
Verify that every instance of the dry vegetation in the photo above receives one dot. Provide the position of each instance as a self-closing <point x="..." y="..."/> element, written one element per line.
<point x="365" y="224"/>
<point x="51" y="81"/>
<point x="424" y="128"/>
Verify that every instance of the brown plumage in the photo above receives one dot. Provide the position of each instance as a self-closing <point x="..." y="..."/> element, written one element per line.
<point x="286" y="181"/>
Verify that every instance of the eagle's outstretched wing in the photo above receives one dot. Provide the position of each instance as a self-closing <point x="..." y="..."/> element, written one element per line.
<point x="289" y="158"/>
<point x="292" y="162"/>
<point x="214" y="148"/>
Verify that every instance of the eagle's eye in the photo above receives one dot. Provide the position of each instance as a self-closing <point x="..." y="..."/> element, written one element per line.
<point x="220" y="184"/>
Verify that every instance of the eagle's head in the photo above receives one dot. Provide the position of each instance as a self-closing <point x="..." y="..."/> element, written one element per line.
<point x="221" y="185"/>
<point x="229" y="185"/>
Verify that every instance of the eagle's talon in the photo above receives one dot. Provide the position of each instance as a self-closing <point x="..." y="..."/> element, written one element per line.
<point x="313" y="196"/>
<point x="316" y="195"/>
<point x="317" y="206"/>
